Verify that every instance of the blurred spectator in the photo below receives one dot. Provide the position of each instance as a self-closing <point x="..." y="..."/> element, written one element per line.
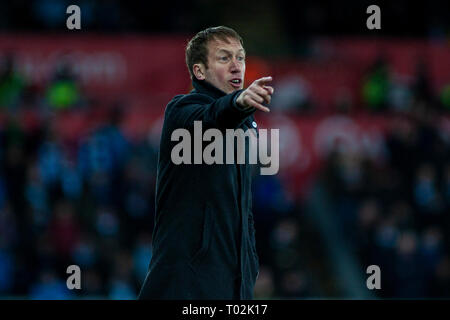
<point x="64" y="229"/>
<point x="446" y="186"/>
<point x="343" y="101"/>
<point x="45" y="254"/>
<point x="50" y="162"/>
<point x="92" y="285"/>
<point x="409" y="273"/>
<point x="441" y="284"/>
<point x="63" y="91"/>
<point x="142" y="255"/>
<point x="422" y="87"/>
<point x="265" y="287"/>
<point x="122" y="285"/>
<point x="71" y="181"/>
<point x="376" y="85"/>
<point x="431" y="249"/>
<point x="14" y="163"/>
<point x="85" y="254"/>
<point x="50" y="287"/>
<point x="6" y="269"/>
<point x="284" y="242"/>
<point x="37" y="197"/>
<point x="445" y="97"/>
<point x="8" y="227"/>
<point x="426" y="195"/>
<point x="292" y="93"/>
<point x="367" y="220"/>
<point x="400" y="94"/>
<point x="121" y="290"/>
<point x="107" y="224"/>
<point x="12" y="83"/>
<point x="294" y="285"/>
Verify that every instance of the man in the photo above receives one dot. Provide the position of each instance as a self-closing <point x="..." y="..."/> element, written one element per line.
<point x="204" y="239"/>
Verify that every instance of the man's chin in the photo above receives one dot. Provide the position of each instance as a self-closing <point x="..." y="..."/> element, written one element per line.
<point x="233" y="89"/>
<point x="230" y="89"/>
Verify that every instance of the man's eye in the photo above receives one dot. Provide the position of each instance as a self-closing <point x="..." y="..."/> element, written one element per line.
<point x="241" y="58"/>
<point x="223" y="58"/>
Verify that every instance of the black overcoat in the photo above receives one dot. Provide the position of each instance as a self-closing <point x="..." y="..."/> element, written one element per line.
<point x="204" y="238"/>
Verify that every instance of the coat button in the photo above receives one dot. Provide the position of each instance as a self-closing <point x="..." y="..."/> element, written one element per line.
<point x="254" y="124"/>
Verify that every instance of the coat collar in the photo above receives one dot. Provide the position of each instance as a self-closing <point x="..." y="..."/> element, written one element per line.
<point x="201" y="86"/>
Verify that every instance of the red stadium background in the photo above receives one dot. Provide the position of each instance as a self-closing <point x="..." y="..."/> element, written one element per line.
<point x="148" y="70"/>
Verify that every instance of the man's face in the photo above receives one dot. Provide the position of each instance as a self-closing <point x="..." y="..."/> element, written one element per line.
<point x="226" y="65"/>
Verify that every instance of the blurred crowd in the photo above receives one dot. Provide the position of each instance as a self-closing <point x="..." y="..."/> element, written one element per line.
<point x="394" y="207"/>
<point x="384" y="90"/>
<point x="394" y="210"/>
<point x="90" y="201"/>
<point x="87" y="202"/>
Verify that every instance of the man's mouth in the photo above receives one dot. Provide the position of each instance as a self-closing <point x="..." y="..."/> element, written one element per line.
<point x="236" y="83"/>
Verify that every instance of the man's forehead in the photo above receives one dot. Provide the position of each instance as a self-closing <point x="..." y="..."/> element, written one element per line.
<point x="231" y="45"/>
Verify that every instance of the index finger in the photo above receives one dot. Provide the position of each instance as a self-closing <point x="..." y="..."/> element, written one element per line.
<point x="269" y="89"/>
<point x="263" y="80"/>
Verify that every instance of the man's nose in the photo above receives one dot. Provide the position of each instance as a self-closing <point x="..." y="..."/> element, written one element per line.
<point x="235" y="65"/>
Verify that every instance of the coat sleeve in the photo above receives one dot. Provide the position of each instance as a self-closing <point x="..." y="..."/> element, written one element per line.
<point x="252" y="232"/>
<point x="221" y="113"/>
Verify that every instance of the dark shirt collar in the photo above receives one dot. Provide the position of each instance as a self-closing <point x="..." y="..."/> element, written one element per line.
<point x="202" y="86"/>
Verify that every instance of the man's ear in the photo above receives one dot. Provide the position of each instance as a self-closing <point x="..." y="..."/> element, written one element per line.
<point x="199" y="71"/>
